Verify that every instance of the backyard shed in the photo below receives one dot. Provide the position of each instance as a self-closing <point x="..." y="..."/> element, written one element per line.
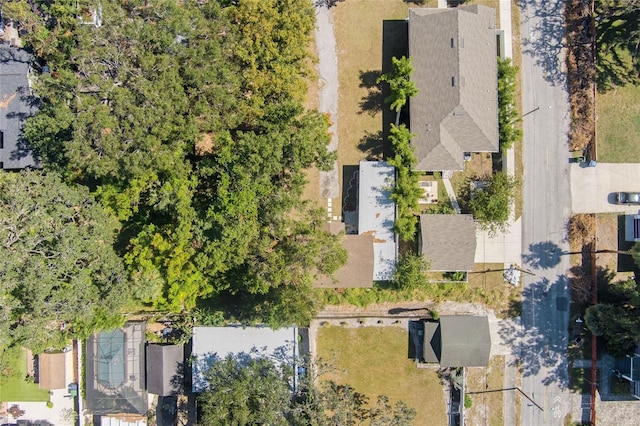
<point x="165" y="369"/>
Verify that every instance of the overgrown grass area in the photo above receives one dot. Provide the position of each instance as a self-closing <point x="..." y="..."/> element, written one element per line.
<point x="486" y="285"/>
<point x="15" y="388"/>
<point x="487" y="407"/>
<point x="374" y="360"/>
<point x="618" y="125"/>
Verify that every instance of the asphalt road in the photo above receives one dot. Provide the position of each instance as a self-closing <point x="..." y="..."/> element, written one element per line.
<point x="541" y="343"/>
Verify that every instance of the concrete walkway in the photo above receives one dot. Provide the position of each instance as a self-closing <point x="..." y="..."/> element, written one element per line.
<point x="452" y="195"/>
<point x="592" y="187"/>
<point x="328" y="96"/>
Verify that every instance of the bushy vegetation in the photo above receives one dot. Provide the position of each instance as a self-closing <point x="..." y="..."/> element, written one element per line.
<point x="509" y="131"/>
<point x="61" y="276"/>
<point x="491" y="199"/>
<point x="406" y="192"/>
<point x="410" y="272"/>
<point x="185" y="121"/>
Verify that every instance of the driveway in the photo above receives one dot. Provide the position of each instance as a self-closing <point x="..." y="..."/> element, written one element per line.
<point x="591" y="187"/>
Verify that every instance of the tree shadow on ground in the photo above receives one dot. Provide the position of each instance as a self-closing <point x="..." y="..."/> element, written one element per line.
<point x="373" y="144"/>
<point x="541" y="347"/>
<point x="544" y="42"/>
<point x="543" y="255"/>
<point x="373" y="102"/>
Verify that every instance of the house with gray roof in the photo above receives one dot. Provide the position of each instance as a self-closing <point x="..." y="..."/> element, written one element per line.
<point x="16" y="104"/>
<point x="457" y="341"/>
<point x="448" y="241"/>
<point x="454" y="58"/>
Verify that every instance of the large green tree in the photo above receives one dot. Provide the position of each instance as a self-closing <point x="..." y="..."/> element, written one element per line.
<point x="60" y="274"/>
<point x="406" y="192"/>
<point x="124" y="110"/>
<point x="400" y="83"/>
<point x="250" y="391"/>
<point x="618" y="42"/>
<point x="491" y="200"/>
<point x="617" y="317"/>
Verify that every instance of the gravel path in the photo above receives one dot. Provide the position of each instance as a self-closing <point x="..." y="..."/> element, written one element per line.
<point x="328" y="96"/>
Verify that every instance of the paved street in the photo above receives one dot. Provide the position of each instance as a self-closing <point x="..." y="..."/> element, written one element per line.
<point x="543" y="338"/>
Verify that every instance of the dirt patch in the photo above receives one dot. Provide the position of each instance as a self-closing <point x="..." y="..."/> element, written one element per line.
<point x="204" y="145"/>
<point x="483" y="388"/>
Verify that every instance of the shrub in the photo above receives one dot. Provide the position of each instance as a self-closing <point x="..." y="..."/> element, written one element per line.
<point x="468" y="402"/>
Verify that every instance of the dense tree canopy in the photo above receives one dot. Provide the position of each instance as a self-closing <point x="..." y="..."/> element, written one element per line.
<point x="617" y="317"/>
<point x="250" y="391"/>
<point x="618" y="42"/>
<point x="185" y="120"/>
<point x="60" y="273"/>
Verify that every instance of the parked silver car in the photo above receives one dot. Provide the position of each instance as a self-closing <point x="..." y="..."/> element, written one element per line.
<point x="627" y="197"/>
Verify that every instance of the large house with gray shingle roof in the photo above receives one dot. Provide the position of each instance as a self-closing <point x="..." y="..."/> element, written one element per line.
<point x="454" y="58"/>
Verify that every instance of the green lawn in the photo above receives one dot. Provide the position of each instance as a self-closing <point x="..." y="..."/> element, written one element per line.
<point x="618" y="125"/>
<point x="374" y="361"/>
<point x="15" y="389"/>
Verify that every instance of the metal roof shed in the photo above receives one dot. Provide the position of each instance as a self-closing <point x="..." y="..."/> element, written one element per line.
<point x="376" y="215"/>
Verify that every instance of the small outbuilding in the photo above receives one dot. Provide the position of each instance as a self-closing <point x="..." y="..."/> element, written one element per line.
<point x="376" y="215"/>
<point x="165" y="369"/>
<point x="51" y="370"/>
<point x="457" y="341"/>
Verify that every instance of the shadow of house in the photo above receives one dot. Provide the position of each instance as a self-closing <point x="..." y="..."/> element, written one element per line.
<point x="115" y="371"/>
<point x="448" y="241"/>
<point x="454" y="57"/>
<point x="16" y="104"/>
<point x="165" y="369"/>
<point x="452" y="341"/>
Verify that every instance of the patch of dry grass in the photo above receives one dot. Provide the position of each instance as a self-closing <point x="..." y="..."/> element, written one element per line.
<point x="487" y="408"/>
<point x="374" y="360"/>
